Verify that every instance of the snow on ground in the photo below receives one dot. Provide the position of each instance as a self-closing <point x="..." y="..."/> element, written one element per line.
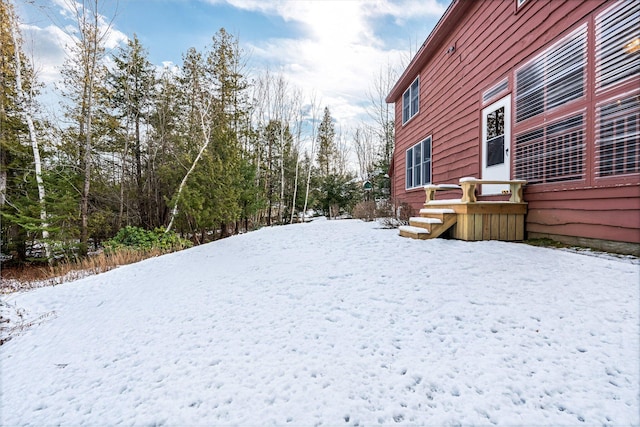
<point x="333" y="323"/>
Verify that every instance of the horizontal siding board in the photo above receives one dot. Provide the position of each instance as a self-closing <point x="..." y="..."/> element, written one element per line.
<point x="561" y="216"/>
<point x="622" y="191"/>
<point x="601" y="232"/>
<point x="611" y="205"/>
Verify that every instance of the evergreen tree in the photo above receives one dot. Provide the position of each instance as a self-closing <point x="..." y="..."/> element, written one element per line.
<point x="131" y="91"/>
<point x="164" y="141"/>
<point x="337" y="193"/>
<point x="215" y="108"/>
<point x="326" y="144"/>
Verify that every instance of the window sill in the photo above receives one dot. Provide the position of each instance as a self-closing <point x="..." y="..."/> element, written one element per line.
<point x="410" y="119"/>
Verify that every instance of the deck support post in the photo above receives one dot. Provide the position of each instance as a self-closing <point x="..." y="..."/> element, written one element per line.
<point x="430" y="191"/>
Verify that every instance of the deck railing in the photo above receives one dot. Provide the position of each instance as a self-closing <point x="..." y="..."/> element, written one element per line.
<point x="469" y="185"/>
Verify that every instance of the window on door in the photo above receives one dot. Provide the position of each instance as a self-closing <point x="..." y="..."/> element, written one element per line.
<point x="495" y="137"/>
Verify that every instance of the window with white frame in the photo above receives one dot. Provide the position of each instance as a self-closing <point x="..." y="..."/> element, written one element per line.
<point x="411" y="100"/>
<point x="418" y="166"/>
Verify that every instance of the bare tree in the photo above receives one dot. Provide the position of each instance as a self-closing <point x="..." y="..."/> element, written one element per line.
<point x="277" y="115"/>
<point x="365" y="150"/>
<point x="84" y="72"/>
<point x="283" y="110"/>
<point x="314" y="110"/>
<point x="341" y="154"/>
<point x="382" y="113"/>
<point x="297" y="123"/>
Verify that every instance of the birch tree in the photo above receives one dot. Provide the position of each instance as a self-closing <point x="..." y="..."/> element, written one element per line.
<point x="297" y="132"/>
<point x="216" y="104"/>
<point x="199" y="100"/>
<point x="26" y="100"/>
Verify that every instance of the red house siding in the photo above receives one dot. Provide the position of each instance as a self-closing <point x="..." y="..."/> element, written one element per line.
<point x="476" y="45"/>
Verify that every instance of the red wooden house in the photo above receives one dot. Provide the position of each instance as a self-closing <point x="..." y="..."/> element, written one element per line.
<point x="545" y="91"/>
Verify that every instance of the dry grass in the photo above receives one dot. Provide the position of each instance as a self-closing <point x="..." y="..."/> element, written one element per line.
<point x="29" y="277"/>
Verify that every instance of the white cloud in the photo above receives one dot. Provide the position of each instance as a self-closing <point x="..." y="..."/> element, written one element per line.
<point x="47" y="47"/>
<point x="51" y="44"/>
<point x="409" y="9"/>
<point x="338" y="52"/>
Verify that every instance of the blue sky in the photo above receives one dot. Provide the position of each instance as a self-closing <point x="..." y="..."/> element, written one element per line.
<point x="331" y="48"/>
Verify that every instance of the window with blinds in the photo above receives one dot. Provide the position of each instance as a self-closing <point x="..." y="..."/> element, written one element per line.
<point x="552" y="153"/>
<point x="496" y="90"/>
<point x="618" y="44"/>
<point x="618" y="137"/>
<point x="554" y="78"/>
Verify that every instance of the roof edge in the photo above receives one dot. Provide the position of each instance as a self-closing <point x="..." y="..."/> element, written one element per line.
<point x="435" y="39"/>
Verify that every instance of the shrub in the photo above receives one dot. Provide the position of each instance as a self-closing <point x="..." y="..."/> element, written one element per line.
<point x="405" y="212"/>
<point x="139" y="239"/>
<point x="365" y="211"/>
<point x="392" y="218"/>
<point x="384" y="209"/>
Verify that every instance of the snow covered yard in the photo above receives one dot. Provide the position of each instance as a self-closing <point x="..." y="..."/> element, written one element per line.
<point x="333" y="323"/>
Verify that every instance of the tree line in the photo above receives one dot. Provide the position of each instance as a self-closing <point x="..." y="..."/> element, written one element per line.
<point x="203" y="149"/>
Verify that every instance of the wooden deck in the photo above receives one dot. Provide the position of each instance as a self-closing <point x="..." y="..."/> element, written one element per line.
<point x="467" y="218"/>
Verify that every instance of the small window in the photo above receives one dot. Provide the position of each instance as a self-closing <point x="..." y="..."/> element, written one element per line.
<point x="494" y="91"/>
<point x="520" y="2"/>
<point x="418" y="170"/>
<point x="411" y="101"/>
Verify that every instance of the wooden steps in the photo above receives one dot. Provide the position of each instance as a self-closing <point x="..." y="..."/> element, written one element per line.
<point x="430" y="224"/>
<point x="468" y="218"/>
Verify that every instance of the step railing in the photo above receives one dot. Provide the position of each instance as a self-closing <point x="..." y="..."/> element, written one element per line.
<point x="430" y="190"/>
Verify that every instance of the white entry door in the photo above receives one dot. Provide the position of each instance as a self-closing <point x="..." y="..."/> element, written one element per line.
<point x="496" y="144"/>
